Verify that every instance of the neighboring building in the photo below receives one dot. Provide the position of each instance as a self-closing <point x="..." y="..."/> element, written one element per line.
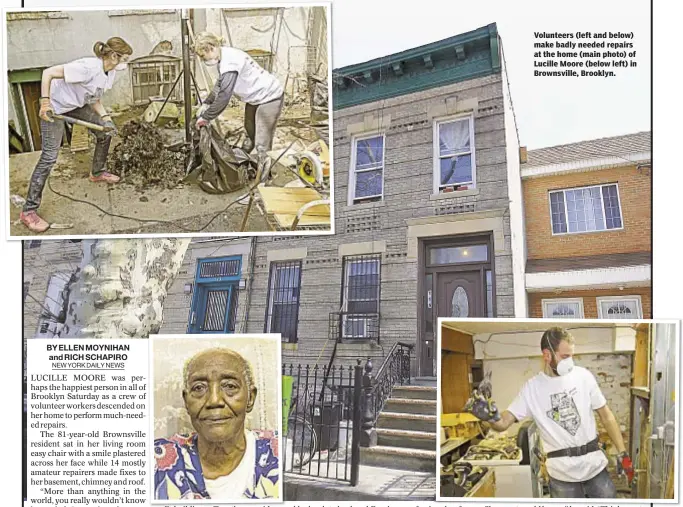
<point x="588" y="210"/>
<point x="290" y="42"/>
<point x="427" y="209"/>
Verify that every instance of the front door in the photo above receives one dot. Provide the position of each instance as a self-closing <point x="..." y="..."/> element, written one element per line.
<point x="457" y="282"/>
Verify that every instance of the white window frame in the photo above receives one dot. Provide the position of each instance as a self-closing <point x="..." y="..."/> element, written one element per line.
<point x="352" y="168"/>
<point x="437" y="152"/>
<point x="614" y="299"/>
<point x="566" y="212"/>
<point x="345" y="305"/>
<point x="546" y="302"/>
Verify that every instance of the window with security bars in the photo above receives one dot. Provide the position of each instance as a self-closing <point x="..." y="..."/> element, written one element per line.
<point x="361" y="297"/>
<point x="218" y="269"/>
<point x="221" y="304"/>
<point x="628" y="307"/>
<point x="283" y="300"/>
<point x="586" y="209"/>
<point x="367" y="171"/>
<point x="563" y="308"/>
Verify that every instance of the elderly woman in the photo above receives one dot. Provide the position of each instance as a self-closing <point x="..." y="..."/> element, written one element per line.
<point x="260" y="90"/>
<point x="221" y="460"/>
<point x="75" y="89"/>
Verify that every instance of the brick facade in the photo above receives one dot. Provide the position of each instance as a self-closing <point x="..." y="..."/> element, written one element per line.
<point x="408" y="190"/>
<point x="635" y="195"/>
<point x="590" y="308"/>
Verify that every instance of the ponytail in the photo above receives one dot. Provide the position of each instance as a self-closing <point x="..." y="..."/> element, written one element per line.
<point x="113" y="45"/>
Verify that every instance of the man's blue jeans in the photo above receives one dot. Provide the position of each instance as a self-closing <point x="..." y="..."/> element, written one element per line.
<point x="600" y="486"/>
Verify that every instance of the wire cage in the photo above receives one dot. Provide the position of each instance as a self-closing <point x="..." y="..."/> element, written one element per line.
<point x="152" y="77"/>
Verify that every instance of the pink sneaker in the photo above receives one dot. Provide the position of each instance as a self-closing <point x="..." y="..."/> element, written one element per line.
<point x="105" y="177"/>
<point x="31" y="220"/>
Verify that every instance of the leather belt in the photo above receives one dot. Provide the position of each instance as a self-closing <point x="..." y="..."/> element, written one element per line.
<point x="591" y="446"/>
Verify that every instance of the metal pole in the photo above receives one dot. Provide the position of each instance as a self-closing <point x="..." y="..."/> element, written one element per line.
<point x="187" y="71"/>
<point x="356" y="436"/>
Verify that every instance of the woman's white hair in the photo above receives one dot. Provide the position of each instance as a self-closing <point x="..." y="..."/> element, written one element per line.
<point x="247" y="371"/>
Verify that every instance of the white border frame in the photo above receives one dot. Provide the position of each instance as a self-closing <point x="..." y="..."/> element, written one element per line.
<point x="351" y="198"/>
<point x="5" y="117"/>
<point x="276" y="339"/>
<point x="545" y="302"/>
<point x="602" y="202"/>
<point x="436" y="168"/>
<point x="540" y="501"/>
<point x="637" y="299"/>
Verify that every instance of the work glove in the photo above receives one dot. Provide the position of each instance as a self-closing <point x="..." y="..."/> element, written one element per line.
<point x="46" y="110"/>
<point x="625" y="466"/>
<point x="110" y="127"/>
<point x="482" y="408"/>
<point x="201" y="122"/>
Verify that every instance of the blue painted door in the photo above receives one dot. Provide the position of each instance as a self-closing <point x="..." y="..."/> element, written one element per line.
<point x="214" y="304"/>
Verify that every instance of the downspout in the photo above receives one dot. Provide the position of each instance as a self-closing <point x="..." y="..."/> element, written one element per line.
<point x="252" y="264"/>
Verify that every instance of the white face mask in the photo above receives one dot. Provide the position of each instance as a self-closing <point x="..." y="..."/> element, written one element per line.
<point x="121" y="66"/>
<point x="565" y="366"/>
<point x="213" y="61"/>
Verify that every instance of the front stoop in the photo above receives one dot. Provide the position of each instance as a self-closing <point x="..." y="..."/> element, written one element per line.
<point x="406" y="431"/>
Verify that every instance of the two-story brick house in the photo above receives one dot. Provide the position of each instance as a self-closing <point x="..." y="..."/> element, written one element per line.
<point x="427" y="209"/>
<point x="588" y="213"/>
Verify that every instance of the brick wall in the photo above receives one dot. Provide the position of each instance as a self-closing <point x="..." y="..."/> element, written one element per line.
<point x="636" y="209"/>
<point x="408" y="184"/>
<point x="590" y="307"/>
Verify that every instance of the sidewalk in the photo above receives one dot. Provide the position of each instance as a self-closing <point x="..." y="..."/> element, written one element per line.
<point x="374" y="483"/>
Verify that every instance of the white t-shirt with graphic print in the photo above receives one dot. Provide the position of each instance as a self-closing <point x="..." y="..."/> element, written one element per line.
<point x="254" y="84"/>
<point x="84" y="83"/>
<point x="562" y="408"/>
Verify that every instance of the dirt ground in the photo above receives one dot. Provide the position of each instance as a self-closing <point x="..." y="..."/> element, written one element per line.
<point x="186" y="206"/>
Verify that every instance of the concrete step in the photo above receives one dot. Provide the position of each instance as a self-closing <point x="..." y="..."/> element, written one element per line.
<point x="406" y="439"/>
<point x="398" y="458"/>
<point x="411" y="422"/>
<point x="414" y="392"/>
<point x="410" y="406"/>
<point x="424" y="381"/>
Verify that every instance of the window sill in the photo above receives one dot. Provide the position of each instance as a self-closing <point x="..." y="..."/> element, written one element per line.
<point x="454" y="194"/>
<point x="368" y="205"/>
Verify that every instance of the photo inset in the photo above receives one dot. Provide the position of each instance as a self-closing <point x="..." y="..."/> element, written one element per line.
<point x="558" y="409"/>
<point x="217" y="418"/>
<point x="168" y="121"/>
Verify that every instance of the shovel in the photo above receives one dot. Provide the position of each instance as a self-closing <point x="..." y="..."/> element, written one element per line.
<point x="86" y="124"/>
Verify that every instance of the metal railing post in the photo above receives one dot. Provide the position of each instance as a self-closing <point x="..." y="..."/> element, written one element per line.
<point x="369" y="434"/>
<point x="355" y="443"/>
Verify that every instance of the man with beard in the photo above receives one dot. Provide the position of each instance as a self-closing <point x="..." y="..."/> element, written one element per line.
<point x="562" y="400"/>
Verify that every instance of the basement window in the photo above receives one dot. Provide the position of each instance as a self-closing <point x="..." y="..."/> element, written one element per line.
<point x="585" y="209"/>
<point x="366" y="177"/>
<point x="620" y="307"/>
<point x="563" y="308"/>
<point x="454" y="166"/>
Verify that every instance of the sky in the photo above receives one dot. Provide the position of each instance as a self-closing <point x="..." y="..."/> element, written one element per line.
<point x="549" y="110"/>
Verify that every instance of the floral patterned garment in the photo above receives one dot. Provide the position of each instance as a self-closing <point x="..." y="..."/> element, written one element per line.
<point x="178" y="472"/>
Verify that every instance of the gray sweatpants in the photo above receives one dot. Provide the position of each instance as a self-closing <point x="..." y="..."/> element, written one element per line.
<point x="260" y="122"/>
<point x="52" y="133"/>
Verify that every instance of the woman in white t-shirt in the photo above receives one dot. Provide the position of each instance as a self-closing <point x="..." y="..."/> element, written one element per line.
<point x="240" y="75"/>
<point x="74" y="89"/>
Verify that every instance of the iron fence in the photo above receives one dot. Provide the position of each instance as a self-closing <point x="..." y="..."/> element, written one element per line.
<point x="322" y="438"/>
